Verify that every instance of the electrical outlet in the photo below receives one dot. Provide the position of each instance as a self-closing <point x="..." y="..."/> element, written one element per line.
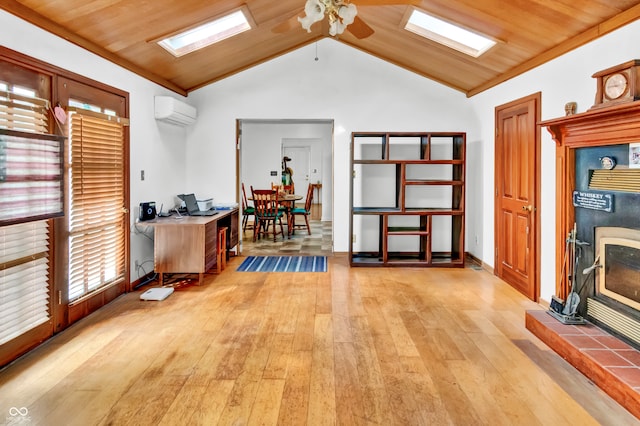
<point x="353" y="238"/>
<point x="137" y="265"/>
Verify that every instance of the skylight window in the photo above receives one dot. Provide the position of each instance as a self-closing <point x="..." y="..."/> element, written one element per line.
<point x="448" y="34"/>
<point x="206" y="34"/>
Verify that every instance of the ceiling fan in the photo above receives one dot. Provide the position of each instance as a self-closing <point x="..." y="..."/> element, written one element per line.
<point x="341" y="15"/>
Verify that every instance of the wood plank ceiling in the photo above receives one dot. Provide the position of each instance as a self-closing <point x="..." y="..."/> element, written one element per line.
<point x="530" y="32"/>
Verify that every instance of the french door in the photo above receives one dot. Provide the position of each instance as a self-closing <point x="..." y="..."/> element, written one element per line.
<point x="56" y="263"/>
<point x="94" y="235"/>
<point x="30" y="190"/>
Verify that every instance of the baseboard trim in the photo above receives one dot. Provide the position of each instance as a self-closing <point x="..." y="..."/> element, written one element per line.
<point x="479" y="262"/>
<point x="145" y="279"/>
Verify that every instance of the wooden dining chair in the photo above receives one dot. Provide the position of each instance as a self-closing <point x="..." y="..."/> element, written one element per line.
<point x="247" y="211"/>
<point x="305" y="212"/>
<point x="267" y="213"/>
<point x="287" y="189"/>
<point x="287" y="205"/>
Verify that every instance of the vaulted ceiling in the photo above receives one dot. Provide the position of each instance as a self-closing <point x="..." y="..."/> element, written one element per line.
<point x="529" y="33"/>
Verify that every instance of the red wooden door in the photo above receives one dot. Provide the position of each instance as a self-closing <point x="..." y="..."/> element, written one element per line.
<point x="516" y="173"/>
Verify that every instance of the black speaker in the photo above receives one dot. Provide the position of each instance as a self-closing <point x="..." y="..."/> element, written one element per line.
<point x="147" y="211"/>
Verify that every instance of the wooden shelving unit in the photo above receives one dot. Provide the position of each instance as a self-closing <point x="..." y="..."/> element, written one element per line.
<point x="407" y="199"/>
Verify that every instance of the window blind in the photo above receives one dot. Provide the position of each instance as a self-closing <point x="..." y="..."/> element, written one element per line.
<point x="31" y="179"/>
<point x="24" y="271"/>
<point x="25" y="113"/>
<point x="96" y="212"/>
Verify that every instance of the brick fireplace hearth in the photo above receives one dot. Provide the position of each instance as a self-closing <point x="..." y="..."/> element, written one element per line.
<point x="610" y="363"/>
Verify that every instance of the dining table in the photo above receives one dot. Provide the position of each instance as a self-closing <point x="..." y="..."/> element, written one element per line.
<point x="292" y="198"/>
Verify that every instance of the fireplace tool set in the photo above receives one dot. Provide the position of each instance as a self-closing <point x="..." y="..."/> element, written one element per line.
<point x="566" y="311"/>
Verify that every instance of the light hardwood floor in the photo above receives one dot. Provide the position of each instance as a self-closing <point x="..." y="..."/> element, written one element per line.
<point x="352" y="346"/>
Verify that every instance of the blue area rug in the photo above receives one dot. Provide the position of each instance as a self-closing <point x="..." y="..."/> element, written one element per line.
<point x="284" y="264"/>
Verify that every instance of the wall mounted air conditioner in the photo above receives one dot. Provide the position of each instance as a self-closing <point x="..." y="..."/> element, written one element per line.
<point x="173" y="111"/>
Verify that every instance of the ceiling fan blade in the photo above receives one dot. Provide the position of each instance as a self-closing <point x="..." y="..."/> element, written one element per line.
<point x="359" y="28"/>
<point x="384" y="2"/>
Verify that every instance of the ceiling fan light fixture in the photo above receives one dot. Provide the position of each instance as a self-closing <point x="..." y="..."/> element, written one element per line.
<point x="340" y="14"/>
<point x="336" y="27"/>
<point x="347" y="13"/>
<point x="314" y="11"/>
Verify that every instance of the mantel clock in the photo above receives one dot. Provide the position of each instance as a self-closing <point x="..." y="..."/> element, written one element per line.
<point x="618" y="84"/>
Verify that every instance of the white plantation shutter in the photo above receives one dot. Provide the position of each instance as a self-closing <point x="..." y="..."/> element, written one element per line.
<point x="24" y="274"/>
<point x="96" y="213"/>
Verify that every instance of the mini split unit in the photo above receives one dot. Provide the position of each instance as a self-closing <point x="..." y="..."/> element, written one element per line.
<point x="173" y="111"/>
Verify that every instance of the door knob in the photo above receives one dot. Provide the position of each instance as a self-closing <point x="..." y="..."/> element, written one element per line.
<point x="528" y="208"/>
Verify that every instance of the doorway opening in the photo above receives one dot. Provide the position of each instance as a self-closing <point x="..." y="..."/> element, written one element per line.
<point x="307" y="145"/>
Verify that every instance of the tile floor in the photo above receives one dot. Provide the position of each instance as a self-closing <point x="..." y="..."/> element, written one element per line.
<point x="318" y="243"/>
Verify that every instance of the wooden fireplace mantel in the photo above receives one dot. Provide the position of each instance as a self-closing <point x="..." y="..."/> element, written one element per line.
<point x="613" y="125"/>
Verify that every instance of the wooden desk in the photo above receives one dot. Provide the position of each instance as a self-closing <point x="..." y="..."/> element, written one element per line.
<point x="189" y="245"/>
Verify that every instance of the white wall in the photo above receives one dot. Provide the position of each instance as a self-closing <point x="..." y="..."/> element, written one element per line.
<point x="156" y="148"/>
<point x="357" y="91"/>
<point x="562" y="80"/>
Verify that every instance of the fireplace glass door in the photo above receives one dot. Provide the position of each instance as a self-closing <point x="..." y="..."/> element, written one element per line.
<point x="619" y="276"/>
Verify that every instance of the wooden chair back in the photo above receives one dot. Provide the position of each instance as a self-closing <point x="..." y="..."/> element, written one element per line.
<point x="267" y="212"/>
<point x="309" y="200"/>
<point x="245" y="203"/>
<point x="265" y="202"/>
<point x="288" y="189"/>
<point x="306" y="212"/>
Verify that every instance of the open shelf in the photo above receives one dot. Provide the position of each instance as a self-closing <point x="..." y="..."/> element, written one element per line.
<point x="407" y="199"/>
